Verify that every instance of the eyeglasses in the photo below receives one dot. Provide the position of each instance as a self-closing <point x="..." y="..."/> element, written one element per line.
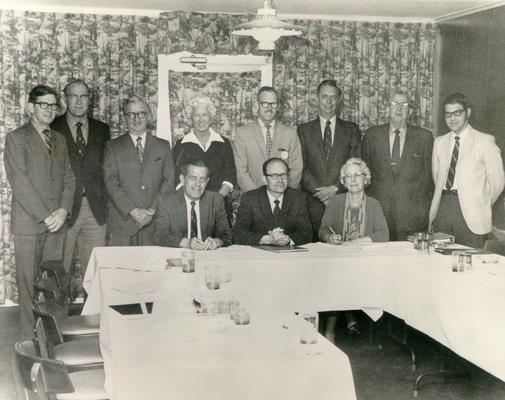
<point x="399" y="104"/>
<point x="197" y="180"/>
<point x="45" y="105"/>
<point x="266" y="104"/>
<point x="277" y="177"/>
<point x="456" y="113"/>
<point x="354" y="176"/>
<point x="136" y="115"/>
<point x="76" y="97"/>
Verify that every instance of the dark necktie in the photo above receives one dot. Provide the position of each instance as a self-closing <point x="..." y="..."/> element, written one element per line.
<point x="80" y="143"/>
<point x="395" y="154"/>
<point x="268" y="143"/>
<point x="454" y="160"/>
<point x="46" y="137"/>
<point x="140" y="149"/>
<point x="277" y="213"/>
<point x="194" y="223"/>
<point x="327" y="140"/>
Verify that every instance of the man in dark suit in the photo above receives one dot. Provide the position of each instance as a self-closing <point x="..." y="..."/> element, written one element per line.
<point x="399" y="158"/>
<point x="85" y="139"/>
<point x="273" y="214"/>
<point x="137" y="167"/>
<point x="42" y="183"/>
<point x="327" y="143"/>
<point x="192" y="217"/>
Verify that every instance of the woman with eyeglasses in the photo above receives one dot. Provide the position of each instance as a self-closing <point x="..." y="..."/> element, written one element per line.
<point x="203" y="143"/>
<point x="352" y="217"/>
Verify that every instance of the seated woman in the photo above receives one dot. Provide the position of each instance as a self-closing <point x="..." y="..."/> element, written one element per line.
<point x="203" y="143"/>
<point x="352" y="216"/>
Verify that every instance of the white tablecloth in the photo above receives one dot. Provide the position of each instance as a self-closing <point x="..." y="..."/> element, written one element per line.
<point x="463" y="311"/>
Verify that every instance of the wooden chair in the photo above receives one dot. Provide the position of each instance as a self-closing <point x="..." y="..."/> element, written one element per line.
<point x="41" y="378"/>
<point x="76" y="354"/>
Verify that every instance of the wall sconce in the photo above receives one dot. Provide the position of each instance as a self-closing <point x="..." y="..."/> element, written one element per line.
<point x="266" y="28"/>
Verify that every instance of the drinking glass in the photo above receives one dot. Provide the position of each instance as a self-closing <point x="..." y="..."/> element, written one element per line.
<point x="212" y="277"/>
<point x="308" y="331"/>
<point x="188" y="261"/>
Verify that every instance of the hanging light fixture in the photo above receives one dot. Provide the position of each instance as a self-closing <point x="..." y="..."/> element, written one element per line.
<point x="266" y="28"/>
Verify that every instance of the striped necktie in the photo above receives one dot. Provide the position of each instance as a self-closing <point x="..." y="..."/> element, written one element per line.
<point x="454" y="160"/>
<point x="194" y="221"/>
<point x="140" y="149"/>
<point x="46" y="137"/>
<point x="80" y="142"/>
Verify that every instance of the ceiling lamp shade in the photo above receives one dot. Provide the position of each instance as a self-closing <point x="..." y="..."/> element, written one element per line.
<point x="266" y="28"/>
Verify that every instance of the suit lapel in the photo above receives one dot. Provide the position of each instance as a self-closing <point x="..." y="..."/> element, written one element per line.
<point x="408" y="148"/>
<point x="204" y="215"/>
<point x="65" y="130"/>
<point x="258" y="136"/>
<point x="264" y="205"/>
<point x="129" y="147"/>
<point x="181" y="213"/>
<point x="317" y="137"/>
<point x="148" y="149"/>
<point x="91" y="134"/>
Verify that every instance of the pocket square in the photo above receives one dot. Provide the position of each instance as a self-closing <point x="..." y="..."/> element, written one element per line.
<point x="417" y="154"/>
<point x="158" y="159"/>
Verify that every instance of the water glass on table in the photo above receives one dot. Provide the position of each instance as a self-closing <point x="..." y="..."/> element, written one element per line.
<point x="212" y="277"/>
<point x="188" y="261"/>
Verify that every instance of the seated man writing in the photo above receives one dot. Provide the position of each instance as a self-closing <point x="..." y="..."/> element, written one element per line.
<point x="192" y="217"/>
<point x="273" y="214"/>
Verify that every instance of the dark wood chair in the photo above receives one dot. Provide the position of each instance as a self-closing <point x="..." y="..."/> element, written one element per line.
<point x="41" y="378"/>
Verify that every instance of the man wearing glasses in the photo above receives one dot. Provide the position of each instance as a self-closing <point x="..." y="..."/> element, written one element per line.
<point x="85" y="139"/>
<point x="137" y="167"/>
<point x="43" y="184"/>
<point x="273" y="214"/>
<point x="468" y="175"/>
<point x="327" y="143"/>
<point x="258" y="141"/>
<point x="399" y="158"/>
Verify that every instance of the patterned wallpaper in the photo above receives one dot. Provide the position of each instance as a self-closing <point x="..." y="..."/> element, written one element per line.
<point x="117" y="55"/>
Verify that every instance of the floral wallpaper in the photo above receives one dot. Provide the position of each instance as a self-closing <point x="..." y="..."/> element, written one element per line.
<point x="117" y="55"/>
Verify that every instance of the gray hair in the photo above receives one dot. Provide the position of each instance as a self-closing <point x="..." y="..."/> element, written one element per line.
<point x="202" y="101"/>
<point x="360" y="163"/>
<point x="402" y="91"/>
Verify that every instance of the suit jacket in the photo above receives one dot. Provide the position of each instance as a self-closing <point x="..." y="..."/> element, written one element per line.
<point x="171" y="224"/>
<point x="249" y="150"/>
<point x="375" y="223"/>
<point x="317" y="171"/>
<point x="88" y="169"/>
<point x="480" y="163"/>
<point x="411" y="189"/>
<point x="41" y="183"/>
<point x="255" y="217"/>
<point x="132" y="184"/>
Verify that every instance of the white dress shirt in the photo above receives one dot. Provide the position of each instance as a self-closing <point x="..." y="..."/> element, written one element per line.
<point x="392" y="135"/>
<point x="134" y="138"/>
<point x="333" y="121"/>
<point x="71" y="121"/>
<point x="264" y="129"/>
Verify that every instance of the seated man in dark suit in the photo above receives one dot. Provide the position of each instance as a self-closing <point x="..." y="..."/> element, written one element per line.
<point x="273" y="214"/>
<point x="192" y="217"/>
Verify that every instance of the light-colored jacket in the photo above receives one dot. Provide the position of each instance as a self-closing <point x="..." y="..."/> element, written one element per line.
<point x="249" y="150"/>
<point x="480" y="163"/>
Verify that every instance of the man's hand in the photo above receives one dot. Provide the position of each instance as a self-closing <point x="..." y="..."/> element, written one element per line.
<point x="55" y="221"/>
<point x="324" y="193"/>
<point x="335" y="239"/>
<point x="141" y="217"/>
<point x="197" y="244"/>
<point x="212" y="243"/>
<point x="275" y="237"/>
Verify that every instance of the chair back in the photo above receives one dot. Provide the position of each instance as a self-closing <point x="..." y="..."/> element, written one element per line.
<point x="47" y="334"/>
<point x="40" y="377"/>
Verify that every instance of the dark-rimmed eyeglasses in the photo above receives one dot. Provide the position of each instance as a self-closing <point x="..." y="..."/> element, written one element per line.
<point x="354" y="176"/>
<point x="136" y="115"/>
<point x="266" y="104"/>
<point x="76" y="97"/>
<point x="277" y="177"/>
<point x="45" y="106"/>
<point x="457" y="113"/>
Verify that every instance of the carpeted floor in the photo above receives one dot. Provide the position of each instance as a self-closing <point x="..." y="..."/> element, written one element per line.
<point x="379" y="374"/>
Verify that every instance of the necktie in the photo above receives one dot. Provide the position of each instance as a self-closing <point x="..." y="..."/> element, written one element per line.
<point x="327" y="140"/>
<point x="454" y="160"/>
<point x="277" y="213"/>
<point x="140" y="149"/>
<point x="395" y="154"/>
<point x="46" y="137"/>
<point x="268" y="141"/>
<point x="194" y="224"/>
<point x="81" y="144"/>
